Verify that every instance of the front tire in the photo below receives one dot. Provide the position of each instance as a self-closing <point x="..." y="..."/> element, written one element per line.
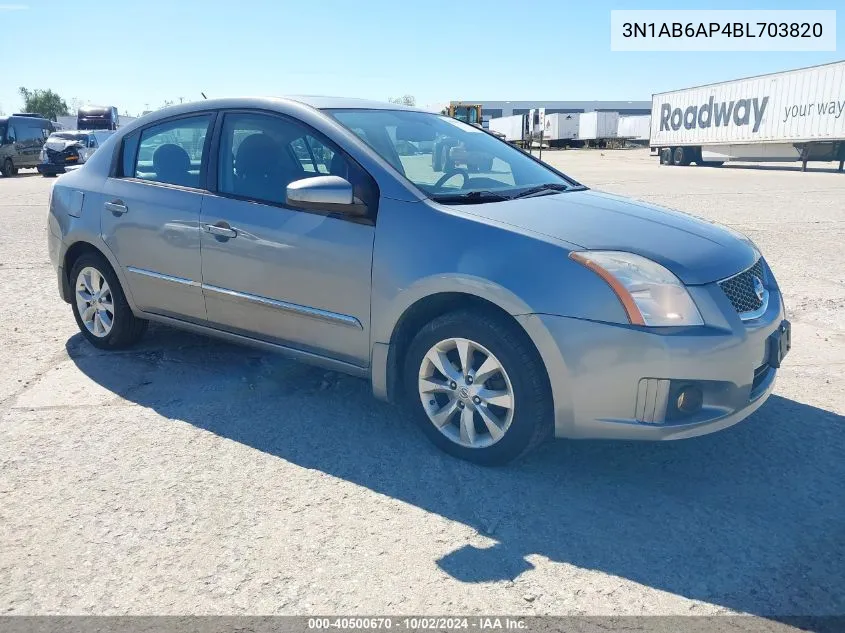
<point x="8" y="169"/>
<point x="478" y="388"/>
<point x="100" y="307"/>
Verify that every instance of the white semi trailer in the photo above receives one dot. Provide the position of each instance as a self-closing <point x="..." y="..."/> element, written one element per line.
<point x="797" y="115"/>
<point x="514" y="128"/>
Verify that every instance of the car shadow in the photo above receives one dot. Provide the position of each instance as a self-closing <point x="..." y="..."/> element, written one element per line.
<point x="752" y="518"/>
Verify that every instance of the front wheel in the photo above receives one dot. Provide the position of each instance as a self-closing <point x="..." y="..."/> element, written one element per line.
<point x="100" y="307"/>
<point x="8" y="169"/>
<point x="478" y="388"/>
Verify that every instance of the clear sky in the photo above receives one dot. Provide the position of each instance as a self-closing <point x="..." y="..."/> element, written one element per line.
<point x="138" y="54"/>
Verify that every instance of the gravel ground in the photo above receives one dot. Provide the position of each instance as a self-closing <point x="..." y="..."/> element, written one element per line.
<point x="190" y="476"/>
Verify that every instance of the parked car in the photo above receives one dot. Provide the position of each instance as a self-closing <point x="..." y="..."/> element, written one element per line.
<point x="21" y="139"/>
<point x="502" y="308"/>
<point x="68" y="148"/>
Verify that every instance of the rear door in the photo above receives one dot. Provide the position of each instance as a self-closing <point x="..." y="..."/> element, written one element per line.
<point x="150" y="218"/>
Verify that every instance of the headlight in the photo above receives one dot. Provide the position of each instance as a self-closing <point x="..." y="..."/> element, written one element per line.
<point x="650" y="294"/>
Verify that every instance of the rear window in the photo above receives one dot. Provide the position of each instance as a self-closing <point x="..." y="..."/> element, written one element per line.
<point x="172" y="152"/>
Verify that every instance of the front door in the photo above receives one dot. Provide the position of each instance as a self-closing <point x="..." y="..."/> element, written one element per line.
<point x="294" y="277"/>
<point x="150" y="216"/>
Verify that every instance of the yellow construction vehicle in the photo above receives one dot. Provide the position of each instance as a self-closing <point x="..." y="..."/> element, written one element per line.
<point x="445" y="156"/>
<point x="466" y="112"/>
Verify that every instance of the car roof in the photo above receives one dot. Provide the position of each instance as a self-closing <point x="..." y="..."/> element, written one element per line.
<point x="324" y="102"/>
<point x="18" y="117"/>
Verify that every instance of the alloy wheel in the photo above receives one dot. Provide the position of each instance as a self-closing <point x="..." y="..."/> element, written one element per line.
<point x="466" y="392"/>
<point x="94" y="302"/>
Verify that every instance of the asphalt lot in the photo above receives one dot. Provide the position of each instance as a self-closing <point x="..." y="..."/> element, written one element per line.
<point x="191" y="476"/>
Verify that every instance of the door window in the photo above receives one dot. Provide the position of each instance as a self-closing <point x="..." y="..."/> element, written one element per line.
<point x="260" y="155"/>
<point x="172" y="152"/>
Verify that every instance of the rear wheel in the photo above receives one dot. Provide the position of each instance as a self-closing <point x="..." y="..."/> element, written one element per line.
<point x="478" y="388"/>
<point x="681" y="157"/>
<point x="8" y="169"/>
<point x="100" y="307"/>
<point x="666" y="156"/>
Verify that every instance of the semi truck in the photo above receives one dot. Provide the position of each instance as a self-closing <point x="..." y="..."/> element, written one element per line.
<point x="796" y="115"/>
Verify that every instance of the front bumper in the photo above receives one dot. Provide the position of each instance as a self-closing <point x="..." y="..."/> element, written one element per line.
<point x="602" y="373"/>
<point x="51" y="168"/>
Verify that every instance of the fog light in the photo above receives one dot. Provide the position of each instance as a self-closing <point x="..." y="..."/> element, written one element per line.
<point x="689" y="400"/>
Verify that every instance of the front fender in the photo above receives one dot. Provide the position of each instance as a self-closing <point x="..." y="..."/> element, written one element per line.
<point x="422" y="248"/>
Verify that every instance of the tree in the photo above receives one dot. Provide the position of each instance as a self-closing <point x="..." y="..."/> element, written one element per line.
<point x="408" y="100"/>
<point x="76" y="103"/>
<point x="44" y="102"/>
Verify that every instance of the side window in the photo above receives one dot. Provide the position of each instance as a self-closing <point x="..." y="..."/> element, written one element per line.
<point x="30" y="133"/>
<point x="12" y="135"/>
<point x="171" y="152"/>
<point x="129" y="152"/>
<point x="260" y="155"/>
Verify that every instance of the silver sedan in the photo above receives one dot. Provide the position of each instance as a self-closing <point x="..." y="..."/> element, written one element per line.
<point x="500" y="300"/>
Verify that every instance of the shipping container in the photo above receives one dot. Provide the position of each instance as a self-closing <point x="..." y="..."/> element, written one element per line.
<point x="787" y="116"/>
<point x="515" y="128"/>
<point x="634" y="127"/>
<point x="597" y="125"/>
<point x="561" y="127"/>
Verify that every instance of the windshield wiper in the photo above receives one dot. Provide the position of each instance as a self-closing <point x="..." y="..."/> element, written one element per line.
<point x="471" y="197"/>
<point x="544" y="189"/>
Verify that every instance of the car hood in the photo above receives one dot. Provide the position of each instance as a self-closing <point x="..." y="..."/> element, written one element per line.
<point x="696" y="251"/>
<point x="61" y="144"/>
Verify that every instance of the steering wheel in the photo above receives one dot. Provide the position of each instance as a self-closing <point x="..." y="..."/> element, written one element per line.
<point x="449" y="174"/>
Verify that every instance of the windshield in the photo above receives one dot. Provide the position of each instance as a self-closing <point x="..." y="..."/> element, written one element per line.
<point x="71" y="136"/>
<point x="446" y="158"/>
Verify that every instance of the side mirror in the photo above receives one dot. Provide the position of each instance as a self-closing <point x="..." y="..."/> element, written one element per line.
<point x="331" y="194"/>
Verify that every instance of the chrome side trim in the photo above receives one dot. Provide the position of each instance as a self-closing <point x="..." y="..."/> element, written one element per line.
<point x="316" y="313"/>
<point x="171" y="278"/>
<point x="756" y="314"/>
<point x="290" y="352"/>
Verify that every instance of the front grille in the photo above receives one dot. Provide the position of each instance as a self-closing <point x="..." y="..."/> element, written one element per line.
<point x="740" y="289"/>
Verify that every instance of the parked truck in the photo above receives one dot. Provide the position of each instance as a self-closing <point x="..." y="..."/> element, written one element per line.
<point x="513" y="129"/>
<point x="634" y="127"/>
<point x="597" y="126"/>
<point x="796" y="115"/>
<point x="561" y="129"/>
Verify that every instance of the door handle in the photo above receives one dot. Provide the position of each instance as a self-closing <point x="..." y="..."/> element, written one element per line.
<point x="116" y="206"/>
<point x="220" y="229"/>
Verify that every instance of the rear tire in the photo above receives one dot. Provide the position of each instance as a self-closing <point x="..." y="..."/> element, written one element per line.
<point x="666" y="156"/>
<point x="519" y="394"/>
<point x="107" y="322"/>
<point x="681" y="157"/>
